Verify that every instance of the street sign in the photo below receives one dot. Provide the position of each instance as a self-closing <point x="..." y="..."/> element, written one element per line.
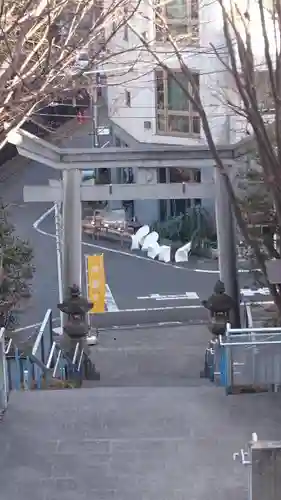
<point x="247" y="292"/>
<point x="96" y="282"/>
<point x="181" y="296"/>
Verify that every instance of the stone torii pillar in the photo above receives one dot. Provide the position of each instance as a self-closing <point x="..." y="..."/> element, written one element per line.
<point x="72" y="229"/>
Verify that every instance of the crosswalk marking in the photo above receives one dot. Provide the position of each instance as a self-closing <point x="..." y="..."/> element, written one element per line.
<point x="111" y="305"/>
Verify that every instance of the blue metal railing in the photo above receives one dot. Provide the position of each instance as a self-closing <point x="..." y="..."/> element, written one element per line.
<point x="246" y="358"/>
<point x="28" y="369"/>
<point x="217" y="357"/>
<point x="252" y="358"/>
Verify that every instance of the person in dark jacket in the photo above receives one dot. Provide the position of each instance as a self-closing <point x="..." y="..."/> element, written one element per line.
<point x="220" y="305"/>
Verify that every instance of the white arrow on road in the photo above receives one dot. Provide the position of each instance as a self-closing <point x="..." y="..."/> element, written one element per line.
<point x="182" y="296"/>
<point x="247" y="292"/>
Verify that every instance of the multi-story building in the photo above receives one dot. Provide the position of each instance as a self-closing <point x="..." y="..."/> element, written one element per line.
<point x="146" y="105"/>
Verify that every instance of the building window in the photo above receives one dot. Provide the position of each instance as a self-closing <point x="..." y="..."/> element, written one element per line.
<point x="181" y="20"/>
<point x="185" y="175"/>
<point x="175" y="112"/>
<point x="128" y="98"/>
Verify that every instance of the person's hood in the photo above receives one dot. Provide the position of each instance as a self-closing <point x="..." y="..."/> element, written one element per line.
<point x="219" y="287"/>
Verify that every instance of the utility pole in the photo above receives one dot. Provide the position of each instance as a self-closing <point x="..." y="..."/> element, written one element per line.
<point x="226" y="236"/>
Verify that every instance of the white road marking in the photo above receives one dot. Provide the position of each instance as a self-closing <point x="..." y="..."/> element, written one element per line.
<point x="247" y="292"/>
<point x="110" y="301"/>
<point x="127" y="254"/>
<point x="168" y="308"/>
<point x="43" y="217"/>
<point x="35" y="325"/>
<point x="216" y="271"/>
<point x="182" y="296"/>
<point x="195" y="306"/>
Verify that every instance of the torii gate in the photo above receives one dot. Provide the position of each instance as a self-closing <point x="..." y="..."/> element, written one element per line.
<point x="71" y="192"/>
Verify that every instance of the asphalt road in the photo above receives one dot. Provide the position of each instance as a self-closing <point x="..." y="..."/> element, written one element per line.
<point x="134" y="280"/>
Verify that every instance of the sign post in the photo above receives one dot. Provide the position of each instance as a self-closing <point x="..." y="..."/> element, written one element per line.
<point x="96" y="282"/>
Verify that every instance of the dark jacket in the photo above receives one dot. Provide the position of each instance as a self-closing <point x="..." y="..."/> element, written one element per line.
<point x="219" y="301"/>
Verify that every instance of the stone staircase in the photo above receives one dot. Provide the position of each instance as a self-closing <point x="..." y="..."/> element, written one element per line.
<point x="166" y="356"/>
<point x="119" y="443"/>
<point x="150" y="429"/>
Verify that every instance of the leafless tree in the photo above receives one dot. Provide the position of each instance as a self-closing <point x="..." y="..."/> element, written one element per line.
<point x="39" y="44"/>
<point x="259" y="105"/>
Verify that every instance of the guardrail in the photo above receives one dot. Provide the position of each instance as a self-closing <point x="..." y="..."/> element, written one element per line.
<point x="247" y="316"/>
<point x="214" y="366"/>
<point x="250" y="357"/>
<point x="245" y="359"/>
<point x="33" y="368"/>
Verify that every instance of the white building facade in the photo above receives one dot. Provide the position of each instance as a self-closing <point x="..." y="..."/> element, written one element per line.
<point x="146" y="106"/>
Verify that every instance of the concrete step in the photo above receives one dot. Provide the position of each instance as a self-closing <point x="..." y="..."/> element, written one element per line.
<point x="151" y="443"/>
<point x="151" y="357"/>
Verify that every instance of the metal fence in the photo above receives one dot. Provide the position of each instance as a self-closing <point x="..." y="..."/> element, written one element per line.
<point x="250" y="357"/>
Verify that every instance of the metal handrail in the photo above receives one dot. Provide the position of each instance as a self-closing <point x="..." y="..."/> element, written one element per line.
<point x="57" y="363"/>
<point x="249" y="333"/>
<point x="51" y="355"/>
<point x="81" y="359"/>
<point x="260" y="330"/>
<point x="249" y="316"/>
<point x="9" y="346"/>
<point x="254" y="343"/>
<point x="75" y="354"/>
<point x="2" y="333"/>
<point x="47" y="320"/>
<point x="61" y="361"/>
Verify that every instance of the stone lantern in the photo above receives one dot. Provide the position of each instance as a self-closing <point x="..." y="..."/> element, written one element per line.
<point x="76" y="328"/>
<point x="76" y="309"/>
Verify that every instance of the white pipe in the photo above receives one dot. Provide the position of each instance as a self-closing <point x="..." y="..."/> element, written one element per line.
<point x="59" y="263"/>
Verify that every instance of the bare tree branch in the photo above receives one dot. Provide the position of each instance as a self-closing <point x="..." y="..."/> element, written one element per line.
<point x="40" y="42"/>
<point x="239" y="61"/>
